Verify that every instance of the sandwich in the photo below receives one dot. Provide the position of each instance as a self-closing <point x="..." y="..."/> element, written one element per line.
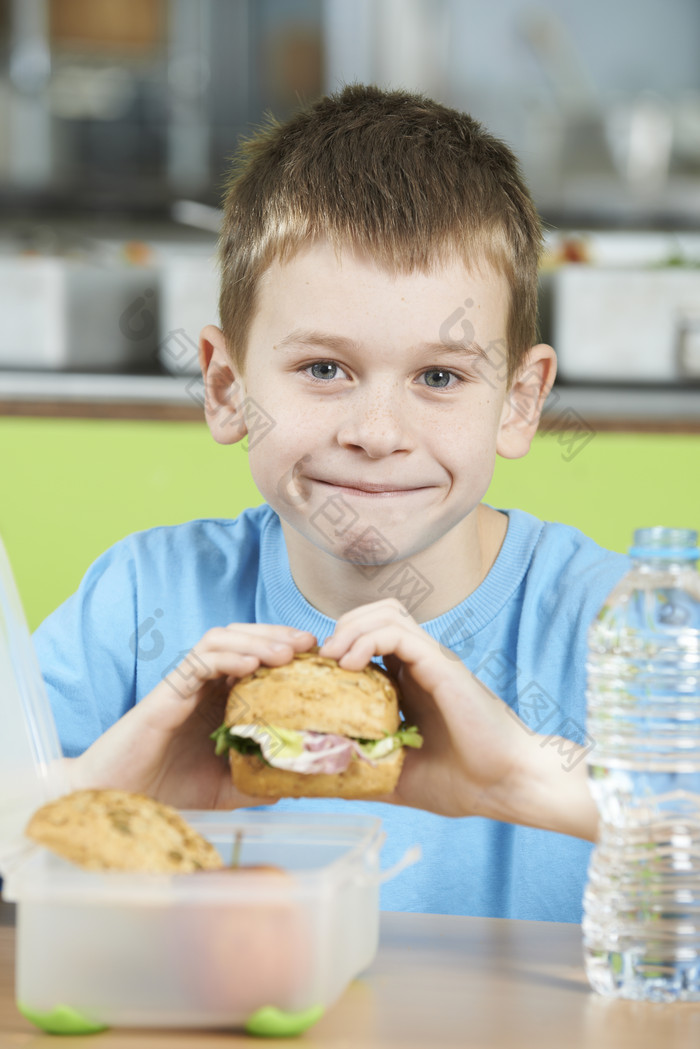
<point x="313" y="729"/>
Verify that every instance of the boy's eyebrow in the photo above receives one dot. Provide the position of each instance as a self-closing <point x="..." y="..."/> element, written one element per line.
<point x="328" y="341"/>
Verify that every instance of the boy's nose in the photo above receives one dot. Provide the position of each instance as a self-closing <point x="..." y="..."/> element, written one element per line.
<point x="376" y="425"/>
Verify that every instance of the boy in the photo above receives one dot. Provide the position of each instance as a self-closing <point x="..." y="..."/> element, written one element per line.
<point x="379" y="265"/>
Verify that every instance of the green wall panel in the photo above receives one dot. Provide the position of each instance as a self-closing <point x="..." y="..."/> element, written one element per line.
<point x="607" y="487"/>
<point x="72" y="487"/>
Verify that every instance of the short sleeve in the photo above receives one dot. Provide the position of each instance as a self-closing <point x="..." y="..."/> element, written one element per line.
<point x="86" y="651"/>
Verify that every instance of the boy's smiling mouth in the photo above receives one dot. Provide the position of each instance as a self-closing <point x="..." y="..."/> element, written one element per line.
<point x="367" y="488"/>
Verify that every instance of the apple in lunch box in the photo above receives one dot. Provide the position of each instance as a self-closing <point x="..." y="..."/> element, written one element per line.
<point x="249" y="950"/>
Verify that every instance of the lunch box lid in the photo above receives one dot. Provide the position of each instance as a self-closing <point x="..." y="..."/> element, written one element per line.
<point x="31" y="770"/>
<point x="323" y="852"/>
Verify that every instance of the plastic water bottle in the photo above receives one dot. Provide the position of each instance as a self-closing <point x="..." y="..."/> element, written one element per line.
<point x="641" y="926"/>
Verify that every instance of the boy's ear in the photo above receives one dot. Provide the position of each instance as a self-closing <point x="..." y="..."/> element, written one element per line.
<point x="223" y="390"/>
<point x="524" y="402"/>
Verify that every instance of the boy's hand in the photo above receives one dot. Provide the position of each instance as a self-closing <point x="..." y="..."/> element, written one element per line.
<point x="477" y="758"/>
<point x="162" y="746"/>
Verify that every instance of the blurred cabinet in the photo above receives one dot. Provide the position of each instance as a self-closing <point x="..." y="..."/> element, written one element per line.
<point x="130" y="25"/>
<point x="136" y="103"/>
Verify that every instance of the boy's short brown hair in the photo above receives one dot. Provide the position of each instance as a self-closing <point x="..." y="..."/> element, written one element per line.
<point x="395" y="174"/>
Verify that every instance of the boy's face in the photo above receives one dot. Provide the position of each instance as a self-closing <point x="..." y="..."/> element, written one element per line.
<point x="356" y="378"/>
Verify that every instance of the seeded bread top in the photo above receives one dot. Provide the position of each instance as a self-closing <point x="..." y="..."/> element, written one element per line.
<point x="315" y="694"/>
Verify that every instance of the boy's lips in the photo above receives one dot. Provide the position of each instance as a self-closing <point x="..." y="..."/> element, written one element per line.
<point x="367" y="488"/>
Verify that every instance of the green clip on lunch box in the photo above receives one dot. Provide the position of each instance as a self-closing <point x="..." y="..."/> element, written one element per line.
<point x="268" y="954"/>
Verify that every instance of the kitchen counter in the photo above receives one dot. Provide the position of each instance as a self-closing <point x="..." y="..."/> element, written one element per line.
<point x="89" y="395"/>
<point x="83" y="395"/>
<point x="437" y="980"/>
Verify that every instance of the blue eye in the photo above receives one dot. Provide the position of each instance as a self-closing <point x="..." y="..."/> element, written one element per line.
<point x="323" y="364"/>
<point x="326" y="371"/>
<point x="445" y="374"/>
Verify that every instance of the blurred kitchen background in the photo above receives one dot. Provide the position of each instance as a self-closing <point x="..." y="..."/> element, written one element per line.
<point x="117" y="118"/>
<point x="116" y="121"/>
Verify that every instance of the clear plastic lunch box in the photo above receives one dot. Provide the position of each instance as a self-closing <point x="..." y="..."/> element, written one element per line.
<point x="262" y="951"/>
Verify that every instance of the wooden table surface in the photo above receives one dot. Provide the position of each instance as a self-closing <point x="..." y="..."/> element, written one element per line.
<point x="438" y="982"/>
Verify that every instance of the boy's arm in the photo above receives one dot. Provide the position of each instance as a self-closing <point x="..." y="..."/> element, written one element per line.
<point x="478" y="758"/>
<point x="543" y="793"/>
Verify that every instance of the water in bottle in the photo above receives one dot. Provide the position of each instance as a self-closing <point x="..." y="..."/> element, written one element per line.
<point x="641" y="926"/>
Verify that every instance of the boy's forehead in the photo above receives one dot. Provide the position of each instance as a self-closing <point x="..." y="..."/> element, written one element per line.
<point x="343" y="305"/>
<point x="319" y="275"/>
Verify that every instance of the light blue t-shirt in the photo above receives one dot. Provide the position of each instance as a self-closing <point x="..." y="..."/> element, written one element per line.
<point x="148" y="599"/>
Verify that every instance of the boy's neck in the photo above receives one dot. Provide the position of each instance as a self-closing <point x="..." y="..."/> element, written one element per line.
<point x="447" y="572"/>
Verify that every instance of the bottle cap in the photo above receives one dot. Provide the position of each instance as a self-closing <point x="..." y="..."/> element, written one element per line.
<point x="667" y="544"/>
